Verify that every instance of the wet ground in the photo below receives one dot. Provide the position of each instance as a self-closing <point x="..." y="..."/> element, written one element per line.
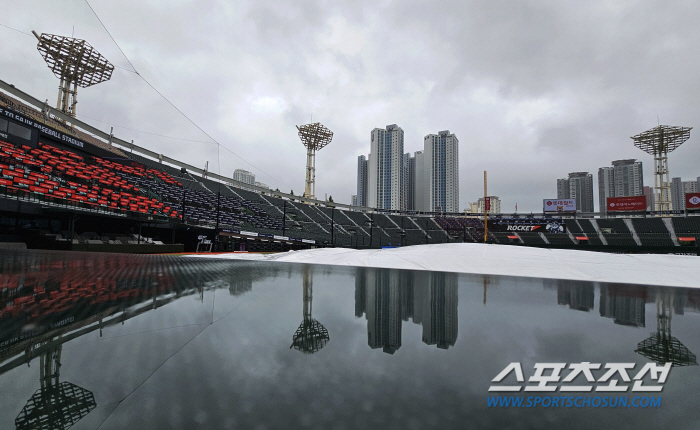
<point x="118" y="341"/>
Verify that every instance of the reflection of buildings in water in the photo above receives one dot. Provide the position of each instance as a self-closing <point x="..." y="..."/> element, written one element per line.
<point x="311" y="336"/>
<point x="55" y="405"/>
<point x="389" y="296"/>
<point x="383" y="310"/>
<point x="238" y="286"/>
<point x="435" y="298"/>
<point x="624" y="304"/>
<point x="577" y="295"/>
<point x="661" y="347"/>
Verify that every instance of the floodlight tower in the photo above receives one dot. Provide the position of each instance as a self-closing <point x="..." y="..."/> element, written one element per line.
<point x="76" y="63"/>
<point x="314" y="136"/>
<point x="659" y="141"/>
<point x="311" y="335"/>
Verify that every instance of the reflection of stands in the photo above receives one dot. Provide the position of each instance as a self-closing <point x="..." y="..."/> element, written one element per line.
<point x="661" y="347"/>
<point x="624" y="304"/>
<point x="311" y="335"/>
<point x="49" y="299"/>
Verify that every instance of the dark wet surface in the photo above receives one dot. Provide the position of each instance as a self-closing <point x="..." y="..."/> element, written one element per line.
<point x="116" y="341"/>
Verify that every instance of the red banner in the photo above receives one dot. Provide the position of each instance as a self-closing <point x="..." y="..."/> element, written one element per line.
<point x="692" y="200"/>
<point x="627" y="204"/>
<point x="488" y="203"/>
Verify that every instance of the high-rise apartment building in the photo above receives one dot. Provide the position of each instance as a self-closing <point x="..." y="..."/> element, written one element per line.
<point x="629" y="179"/>
<point x="441" y="170"/>
<point x="678" y="190"/>
<point x="579" y="186"/>
<point x="385" y="168"/>
<point x="361" y="181"/>
<point x="606" y="186"/>
<point x="244" y="176"/>
<point x="563" y="189"/>
<point x="405" y="180"/>
<point x="391" y="179"/>
<point x="623" y="179"/>
<point x="417" y="183"/>
<point x="649" y="194"/>
<point x="494" y="202"/>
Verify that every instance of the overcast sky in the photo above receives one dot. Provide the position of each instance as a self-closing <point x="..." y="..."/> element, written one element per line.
<point x="533" y="90"/>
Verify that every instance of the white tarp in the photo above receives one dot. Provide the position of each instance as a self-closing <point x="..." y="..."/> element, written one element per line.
<point x="476" y="258"/>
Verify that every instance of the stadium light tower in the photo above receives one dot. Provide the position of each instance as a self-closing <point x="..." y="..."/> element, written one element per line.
<point x="659" y="141"/>
<point x="76" y="63"/>
<point x="314" y="136"/>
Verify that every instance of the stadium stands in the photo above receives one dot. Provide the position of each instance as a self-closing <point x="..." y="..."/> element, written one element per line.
<point x="133" y="186"/>
<point x="652" y="232"/>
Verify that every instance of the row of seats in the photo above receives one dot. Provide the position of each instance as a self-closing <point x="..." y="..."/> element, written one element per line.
<point x="64" y="175"/>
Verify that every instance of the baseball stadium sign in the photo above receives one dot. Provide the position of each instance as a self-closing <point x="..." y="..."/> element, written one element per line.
<point x="519" y="227"/>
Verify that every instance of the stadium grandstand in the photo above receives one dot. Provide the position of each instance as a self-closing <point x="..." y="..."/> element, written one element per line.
<point x="67" y="185"/>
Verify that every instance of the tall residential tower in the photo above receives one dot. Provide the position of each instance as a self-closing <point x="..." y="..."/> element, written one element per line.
<point x="579" y="186"/>
<point x="385" y="168"/>
<point x="441" y="152"/>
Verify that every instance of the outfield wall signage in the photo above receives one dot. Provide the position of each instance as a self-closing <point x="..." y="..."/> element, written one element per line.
<point x="519" y="227"/>
<point x="559" y="205"/>
<point x="692" y="200"/>
<point x="627" y="204"/>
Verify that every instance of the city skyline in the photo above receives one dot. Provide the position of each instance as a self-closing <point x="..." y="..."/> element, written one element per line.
<point x="562" y="99"/>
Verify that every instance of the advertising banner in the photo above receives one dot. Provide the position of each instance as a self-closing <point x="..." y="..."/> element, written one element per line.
<point x="515" y="226"/>
<point x="627" y="204"/>
<point x="488" y="203"/>
<point x="559" y="205"/>
<point x="692" y="200"/>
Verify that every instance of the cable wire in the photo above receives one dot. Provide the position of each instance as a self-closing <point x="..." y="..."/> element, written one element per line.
<point x="146" y="132"/>
<point x="173" y="105"/>
<point x="19" y="31"/>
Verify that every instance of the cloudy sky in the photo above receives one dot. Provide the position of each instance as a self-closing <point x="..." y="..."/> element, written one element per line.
<point x="533" y="90"/>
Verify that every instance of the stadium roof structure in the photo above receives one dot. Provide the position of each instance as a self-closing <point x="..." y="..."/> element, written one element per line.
<point x="661" y="139"/>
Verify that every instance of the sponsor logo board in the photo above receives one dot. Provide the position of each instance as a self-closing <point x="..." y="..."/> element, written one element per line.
<point x="559" y="205"/>
<point x="627" y="204"/>
<point x="507" y="226"/>
<point x="692" y="200"/>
